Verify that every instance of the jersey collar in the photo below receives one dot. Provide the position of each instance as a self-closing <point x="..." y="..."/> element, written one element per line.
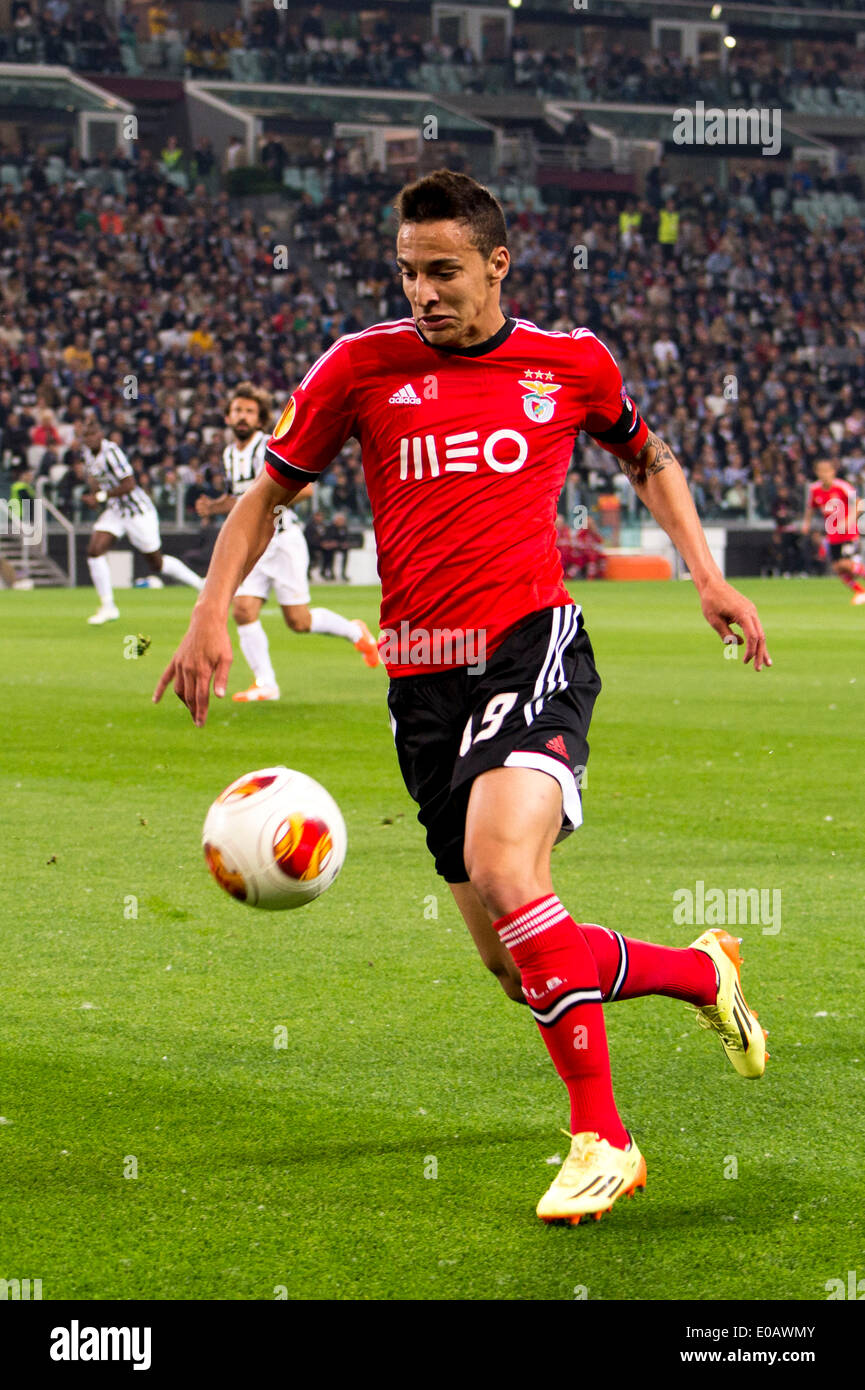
<point x="479" y="349"/>
<point x="250" y="443"/>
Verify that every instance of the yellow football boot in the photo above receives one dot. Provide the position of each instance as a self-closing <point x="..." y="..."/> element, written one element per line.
<point x="742" y="1038"/>
<point x="593" y="1176"/>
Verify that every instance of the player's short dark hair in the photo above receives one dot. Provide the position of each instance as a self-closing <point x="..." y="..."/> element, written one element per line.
<point x="250" y="392"/>
<point x="445" y="196"/>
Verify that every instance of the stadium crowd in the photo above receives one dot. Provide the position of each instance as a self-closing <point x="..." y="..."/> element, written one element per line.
<point x="742" y="337"/>
<point x="310" y="45"/>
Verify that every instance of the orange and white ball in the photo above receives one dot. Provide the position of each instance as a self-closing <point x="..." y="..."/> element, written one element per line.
<point x="274" y="839"/>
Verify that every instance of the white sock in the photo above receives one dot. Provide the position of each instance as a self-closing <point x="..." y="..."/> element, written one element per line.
<point x="100" y="573"/>
<point x="175" y="569"/>
<point x="325" y="621"/>
<point x="256" y="649"/>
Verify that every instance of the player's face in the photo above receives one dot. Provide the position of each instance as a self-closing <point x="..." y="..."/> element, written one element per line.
<point x="242" y="417"/>
<point x="825" y="472"/>
<point x="452" y="289"/>
<point x="91" y="435"/>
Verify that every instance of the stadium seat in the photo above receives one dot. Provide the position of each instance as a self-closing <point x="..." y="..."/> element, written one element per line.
<point x="128" y="58"/>
<point x="832" y="207"/>
<point x="179" y="179"/>
<point x="10" y="176"/>
<point x="252" y="66"/>
<point x="314" y="186"/>
<point x="175" y="59"/>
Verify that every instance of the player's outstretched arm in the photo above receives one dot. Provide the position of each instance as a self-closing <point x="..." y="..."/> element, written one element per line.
<point x="205" y="652"/>
<point x="661" y="485"/>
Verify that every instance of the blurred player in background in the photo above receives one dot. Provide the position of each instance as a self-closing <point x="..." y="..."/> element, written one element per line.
<point x="128" y="512"/>
<point x="581" y="549"/>
<point x="841" y="508"/>
<point x="284" y="566"/>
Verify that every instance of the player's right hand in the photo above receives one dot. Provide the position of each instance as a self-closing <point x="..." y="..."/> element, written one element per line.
<point x="204" y="654"/>
<point x="202" y="505"/>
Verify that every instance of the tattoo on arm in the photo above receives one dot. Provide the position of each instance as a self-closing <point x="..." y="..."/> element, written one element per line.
<point x="652" y="458"/>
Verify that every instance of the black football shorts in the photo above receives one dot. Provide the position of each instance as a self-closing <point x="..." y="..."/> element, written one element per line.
<point x="843" y="550"/>
<point x="529" y="707"/>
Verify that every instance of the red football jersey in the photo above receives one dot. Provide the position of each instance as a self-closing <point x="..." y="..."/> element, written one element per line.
<point x="838" y="505"/>
<point x="465" y="452"/>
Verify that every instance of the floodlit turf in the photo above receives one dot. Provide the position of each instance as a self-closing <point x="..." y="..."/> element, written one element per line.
<point x="396" y="1144"/>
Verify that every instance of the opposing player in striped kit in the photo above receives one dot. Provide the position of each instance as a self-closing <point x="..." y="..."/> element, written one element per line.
<point x="128" y="512"/>
<point x="284" y="566"/>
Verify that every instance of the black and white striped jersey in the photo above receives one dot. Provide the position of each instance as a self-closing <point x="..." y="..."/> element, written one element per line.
<point x="109" y="467"/>
<point x="243" y="465"/>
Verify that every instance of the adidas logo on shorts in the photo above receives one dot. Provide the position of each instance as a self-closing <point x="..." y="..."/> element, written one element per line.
<point x="406" y="395"/>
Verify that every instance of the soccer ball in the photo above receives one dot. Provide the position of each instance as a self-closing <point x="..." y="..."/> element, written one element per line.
<point x="274" y="839"/>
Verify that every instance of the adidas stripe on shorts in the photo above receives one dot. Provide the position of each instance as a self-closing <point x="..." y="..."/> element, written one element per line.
<point x="530" y="707"/>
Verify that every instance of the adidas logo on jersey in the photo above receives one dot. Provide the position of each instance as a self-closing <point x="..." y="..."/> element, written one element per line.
<point x="406" y="395"/>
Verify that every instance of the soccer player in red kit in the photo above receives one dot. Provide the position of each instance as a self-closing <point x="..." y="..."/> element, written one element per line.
<point x="837" y="500"/>
<point x="466" y="419"/>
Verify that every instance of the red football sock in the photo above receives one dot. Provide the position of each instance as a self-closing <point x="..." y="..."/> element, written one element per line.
<point x="561" y="986"/>
<point x="628" y="968"/>
<point x="852" y="583"/>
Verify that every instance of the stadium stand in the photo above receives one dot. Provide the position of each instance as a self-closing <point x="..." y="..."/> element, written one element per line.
<point x="138" y="284"/>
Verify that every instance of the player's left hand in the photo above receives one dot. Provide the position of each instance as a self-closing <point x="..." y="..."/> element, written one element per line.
<point x="723" y="605"/>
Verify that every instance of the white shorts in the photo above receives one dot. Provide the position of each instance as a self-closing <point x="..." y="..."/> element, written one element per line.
<point x="142" y="528"/>
<point x="284" y="568"/>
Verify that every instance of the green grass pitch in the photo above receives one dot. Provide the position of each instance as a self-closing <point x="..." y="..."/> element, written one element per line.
<point x="396" y="1144"/>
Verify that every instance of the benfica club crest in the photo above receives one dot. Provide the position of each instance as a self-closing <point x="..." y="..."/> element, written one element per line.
<point x="538" y="403"/>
